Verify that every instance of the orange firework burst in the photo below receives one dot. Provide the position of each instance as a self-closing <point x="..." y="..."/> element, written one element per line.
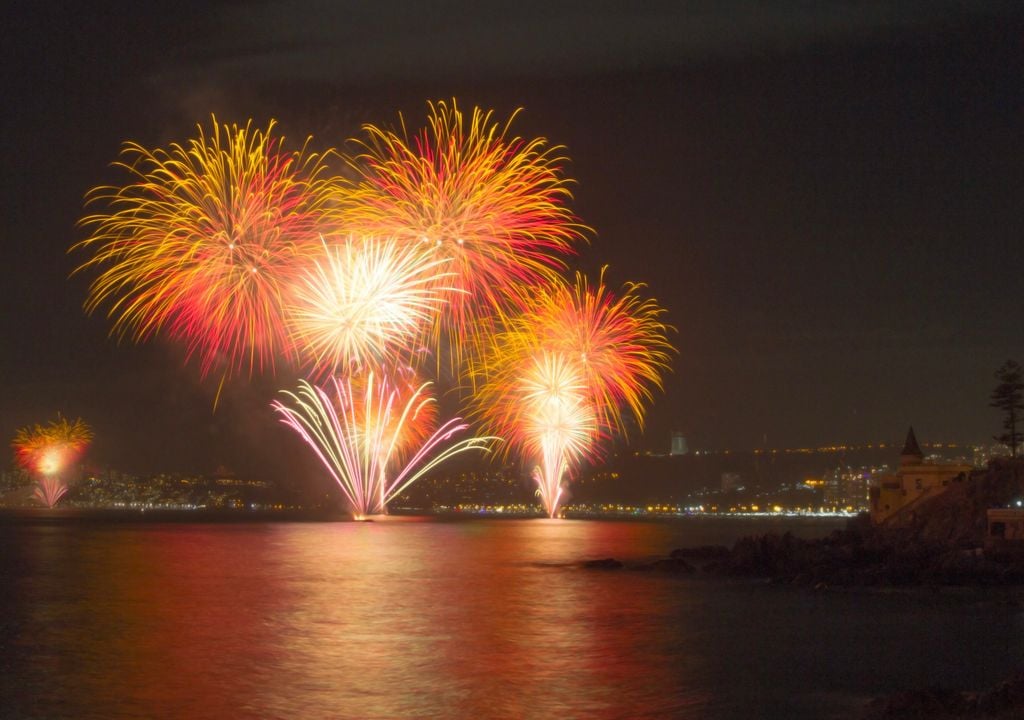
<point x="559" y="376"/>
<point x="491" y="204"/>
<point x="619" y="343"/>
<point x="46" y="449"/>
<point x="200" y="243"/>
<point x="365" y="302"/>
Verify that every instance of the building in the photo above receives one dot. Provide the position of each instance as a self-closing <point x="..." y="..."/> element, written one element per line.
<point x="984" y="454"/>
<point x="846" y="487"/>
<point x="679" y="446"/>
<point x="892" y="496"/>
<point x="1005" y="529"/>
<point x="731" y="482"/>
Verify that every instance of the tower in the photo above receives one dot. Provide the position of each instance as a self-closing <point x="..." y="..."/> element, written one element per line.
<point x="678" y="446"/>
<point x="911" y="453"/>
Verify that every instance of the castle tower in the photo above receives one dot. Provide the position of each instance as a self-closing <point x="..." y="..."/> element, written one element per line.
<point x="911" y="454"/>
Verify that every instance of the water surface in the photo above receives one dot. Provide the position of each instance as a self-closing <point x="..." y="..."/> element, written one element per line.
<point x="428" y="619"/>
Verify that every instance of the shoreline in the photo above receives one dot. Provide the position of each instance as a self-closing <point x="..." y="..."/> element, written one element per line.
<point x="207" y="515"/>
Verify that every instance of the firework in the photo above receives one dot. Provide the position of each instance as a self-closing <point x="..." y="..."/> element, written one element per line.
<point x="619" y="341"/>
<point x="372" y="436"/>
<point x="491" y="204"/>
<point x="559" y="376"/>
<point x="365" y="302"/>
<point x="202" y="239"/>
<point x="558" y="425"/>
<point x="45" y="450"/>
<point x="49" y="489"/>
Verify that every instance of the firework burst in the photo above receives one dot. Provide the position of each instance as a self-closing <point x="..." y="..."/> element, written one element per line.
<point x="557" y="379"/>
<point x="618" y="341"/>
<point x="373" y="436"/>
<point x="453" y="237"/>
<point x="201" y="241"/>
<point x="45" y="450"/>
<point x="558" y="423"/>
<point x="491" y="204"/>
<point x="366" y="302"/>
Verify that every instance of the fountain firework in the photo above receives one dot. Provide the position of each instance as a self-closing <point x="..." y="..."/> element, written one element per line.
<point x="45" y="450"/>
<point x="559" y="423"/>
<point x="373" y="436"/>
<point x="559" y="376"/>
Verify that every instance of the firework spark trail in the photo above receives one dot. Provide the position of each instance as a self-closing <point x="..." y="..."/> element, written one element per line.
<point x="560" y="425"/>
<point x="45" y="450"/>
<point x="49" y="490"/>
<point x="366" y="302"/>
<point x="492" y="204"/>
<point x="360" y="437"/>
<point x="201" y="241"/>
<point x="557" y="379"/>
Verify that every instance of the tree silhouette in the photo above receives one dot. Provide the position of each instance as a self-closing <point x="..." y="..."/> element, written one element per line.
<point x="1008" y="396"/>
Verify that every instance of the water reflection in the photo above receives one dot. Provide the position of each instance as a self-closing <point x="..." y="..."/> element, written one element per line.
<point x="447" y="621"/>
<point x="402" y="619"/>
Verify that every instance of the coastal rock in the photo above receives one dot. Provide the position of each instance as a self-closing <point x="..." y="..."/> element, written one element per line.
<point x="930" y="703"/>
<point x="672" y="564"/>
<point x="602" y="564"/>
<point x="939" y="544"/>
<point x="1003" y="700"/>
<point x="1005" y="697"/>
<point x="701" y="553"/>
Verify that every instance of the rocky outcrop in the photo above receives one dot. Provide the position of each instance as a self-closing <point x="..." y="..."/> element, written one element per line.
<point x="859" y="557"/>
<point x="702" y="553"/>
<point x="941" y="544"/>
<point x="1003" y="700"/>
<point x="602" y="564"/>
<point x="670" y="565"/>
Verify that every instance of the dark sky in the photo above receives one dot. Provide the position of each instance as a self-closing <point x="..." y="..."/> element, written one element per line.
<point x="827" y="197"/>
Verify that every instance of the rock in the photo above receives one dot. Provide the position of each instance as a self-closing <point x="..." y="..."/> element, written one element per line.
<point x="672" y="564"/>
<point x="602" y="564"/>
<point x="930" y="703"/>
<point x="937" y="545"/>
<point x="702" y="552"/>
<point x="718" y="567"/>
<point x="1005" y="699"/>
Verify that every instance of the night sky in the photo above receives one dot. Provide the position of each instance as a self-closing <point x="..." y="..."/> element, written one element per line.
<point x="828" y="199"/>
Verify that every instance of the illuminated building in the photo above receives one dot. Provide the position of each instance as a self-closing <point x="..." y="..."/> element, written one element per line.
<point x="892" y="497"/>
<point x="679" y="446"/>
<point x="845" y="487"/>
<point x="984" y="454"/>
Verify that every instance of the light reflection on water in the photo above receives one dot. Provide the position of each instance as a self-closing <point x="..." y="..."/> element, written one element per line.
<point x="482" y="619"/>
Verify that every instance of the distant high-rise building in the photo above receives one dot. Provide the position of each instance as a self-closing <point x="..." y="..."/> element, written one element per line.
<point x="679" y="446"/>
<point x="846" y="487"/>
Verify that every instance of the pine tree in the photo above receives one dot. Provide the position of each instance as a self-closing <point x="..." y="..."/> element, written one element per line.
<point x="1008" y="396"/>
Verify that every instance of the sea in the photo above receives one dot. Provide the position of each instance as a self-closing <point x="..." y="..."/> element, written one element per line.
<point x="409" y="617"/>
